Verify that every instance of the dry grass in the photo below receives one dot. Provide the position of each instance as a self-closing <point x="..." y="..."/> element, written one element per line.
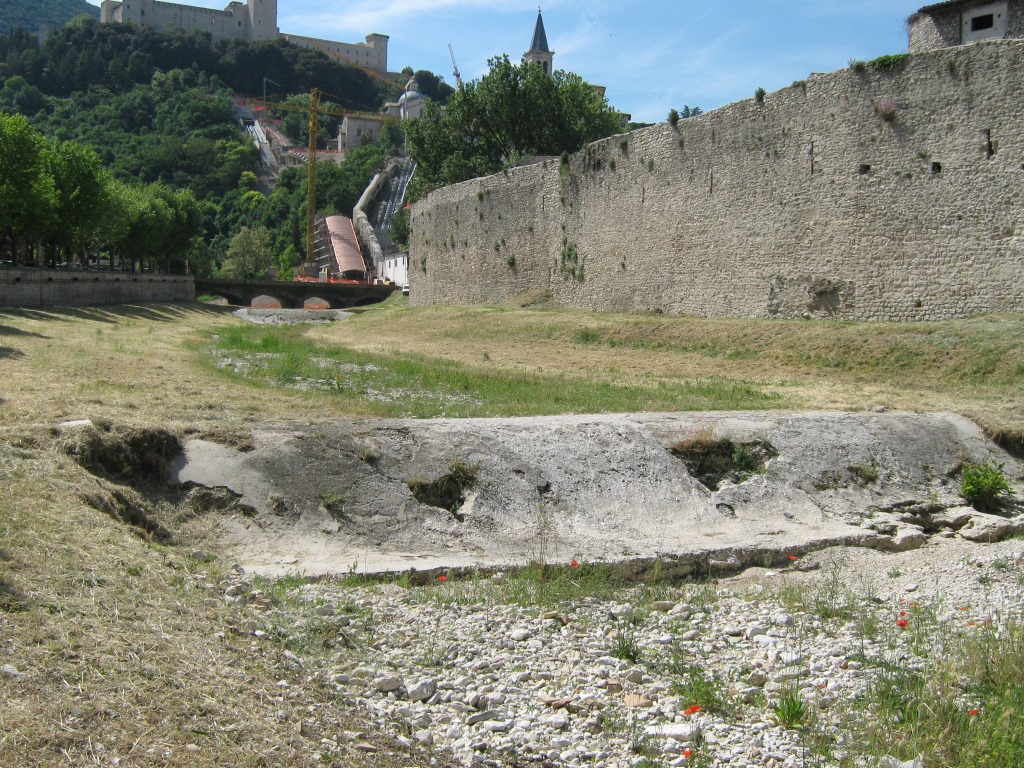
<point x="116" y="635"/>
<point x="973" y="367"/>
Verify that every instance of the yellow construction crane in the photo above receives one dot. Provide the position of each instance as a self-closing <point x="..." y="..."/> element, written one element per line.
<point x="314" y="111"/>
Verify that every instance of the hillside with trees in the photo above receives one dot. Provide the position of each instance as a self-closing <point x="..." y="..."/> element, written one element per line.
<point x="154" y="110"/>
<point x="29" y="14"/>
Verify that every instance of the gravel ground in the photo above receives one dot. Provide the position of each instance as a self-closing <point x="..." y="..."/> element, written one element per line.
<point x="459" y="666"/>
<point x="291" y="316"/>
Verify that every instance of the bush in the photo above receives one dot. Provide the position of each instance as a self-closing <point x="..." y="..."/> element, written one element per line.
<point x="983" y="484"/>
<point x="759" y="95"/>
<point x="889" y="63"/>
<point x="673" y="117"/>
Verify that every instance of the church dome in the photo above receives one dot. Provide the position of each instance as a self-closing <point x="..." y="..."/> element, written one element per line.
<point x="410" y="96"/>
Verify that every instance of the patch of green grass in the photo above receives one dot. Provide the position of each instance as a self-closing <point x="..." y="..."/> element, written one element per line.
<point x="695" y="686"/>
<point x="626" y="647"/>
<point x="790" y="710"/>
<point x="420" y="387"/>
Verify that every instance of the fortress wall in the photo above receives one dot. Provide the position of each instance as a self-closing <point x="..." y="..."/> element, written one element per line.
<point x="868" y="196"/>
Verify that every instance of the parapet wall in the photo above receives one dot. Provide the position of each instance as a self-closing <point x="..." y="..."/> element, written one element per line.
<point x="56" y="288"/>
<point x="855" y="195"/>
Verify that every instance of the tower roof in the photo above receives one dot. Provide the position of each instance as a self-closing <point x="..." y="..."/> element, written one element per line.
<point x="540" y="38"/>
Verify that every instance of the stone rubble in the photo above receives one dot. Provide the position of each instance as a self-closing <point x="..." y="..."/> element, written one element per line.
<point x="459" y="667"/>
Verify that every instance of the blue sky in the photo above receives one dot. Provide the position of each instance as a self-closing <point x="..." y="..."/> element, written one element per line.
<point x="651" y="56"/>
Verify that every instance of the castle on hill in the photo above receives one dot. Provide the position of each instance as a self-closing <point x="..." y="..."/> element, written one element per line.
<point x="252" y="20"/>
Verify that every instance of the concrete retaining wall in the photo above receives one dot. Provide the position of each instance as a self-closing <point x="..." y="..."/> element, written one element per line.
<point x="56" y="288"/>
<point x="854" y="195"/>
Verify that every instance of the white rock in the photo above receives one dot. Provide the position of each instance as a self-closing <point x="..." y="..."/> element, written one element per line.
<point x="387" y="684"/>
<point x="423" y="690"/>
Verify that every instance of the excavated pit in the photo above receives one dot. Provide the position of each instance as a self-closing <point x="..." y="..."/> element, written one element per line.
<point x="379" y="495"/>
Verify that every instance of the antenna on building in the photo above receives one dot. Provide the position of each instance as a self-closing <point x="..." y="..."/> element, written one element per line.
<point x="458" y="77"/>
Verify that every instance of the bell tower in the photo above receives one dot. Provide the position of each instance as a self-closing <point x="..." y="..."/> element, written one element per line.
<point x="539" y="52"/>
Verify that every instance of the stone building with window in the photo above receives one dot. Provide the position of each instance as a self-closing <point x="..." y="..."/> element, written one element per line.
<point x="959" y="22"/>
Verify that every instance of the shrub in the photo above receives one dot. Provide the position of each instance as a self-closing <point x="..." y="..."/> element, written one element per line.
<point x="889" y="63"/>
<point x="759" y="95"/>
<point x="673" y="117"/>
<point x="858" y="66"/>
<point x="983" y="485"/>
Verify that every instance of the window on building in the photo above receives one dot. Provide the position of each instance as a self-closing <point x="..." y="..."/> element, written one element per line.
<point x="986" y="21"/>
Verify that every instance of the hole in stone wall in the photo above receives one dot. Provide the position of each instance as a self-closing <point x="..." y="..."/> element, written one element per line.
<point x="936" y="168"/>
<point x="712" y="460"/>
<point x="863" y="169"/>
<point x="448" y="491"/>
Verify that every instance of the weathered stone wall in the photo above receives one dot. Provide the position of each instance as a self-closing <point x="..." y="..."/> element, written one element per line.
<point x="55" y="288"/>
<point x="870" y="196"/>
<point x="928" y="31"/>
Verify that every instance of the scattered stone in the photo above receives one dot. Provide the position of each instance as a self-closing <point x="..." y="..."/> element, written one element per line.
<point x="388" y="684"/>
<point x="636" y="701"/>
<point x="9" y="670"/>
<point x="423" y="690"/>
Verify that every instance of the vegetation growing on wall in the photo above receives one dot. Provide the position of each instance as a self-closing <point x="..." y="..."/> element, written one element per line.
<point x="889" y="63"/>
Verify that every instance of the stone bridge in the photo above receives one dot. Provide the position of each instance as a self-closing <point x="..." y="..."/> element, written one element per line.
<point x="294" y="295"/>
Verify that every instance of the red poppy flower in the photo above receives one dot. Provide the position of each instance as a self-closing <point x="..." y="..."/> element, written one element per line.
<point x="901" y="623"/>
<point x="693" y="709"/>
<point x="903" y="613"/>
<point x="970" y="623"/>
<point x="973" y="712"/>
<point x="574" y="563"/>
<point x="687" y="753"/>
<point x="792" y="558"/>
<point x="442" y="577"/>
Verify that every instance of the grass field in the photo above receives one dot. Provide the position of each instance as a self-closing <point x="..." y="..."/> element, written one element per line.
<point x="114" y="638"/>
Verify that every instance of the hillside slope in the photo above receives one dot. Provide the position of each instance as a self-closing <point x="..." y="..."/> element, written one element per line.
<point x="29" y="14"/>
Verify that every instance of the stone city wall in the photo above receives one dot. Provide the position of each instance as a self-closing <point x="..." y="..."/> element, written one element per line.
<point x="860" y="195"/>
<point x="57" y="288"/>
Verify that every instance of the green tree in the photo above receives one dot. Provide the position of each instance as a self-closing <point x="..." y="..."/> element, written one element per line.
<point x="399" y="228"/>
<point x="514" y="111"/>
<point x="18" y="96"/>
<point x="249" y="254"/>
<point x="82" y="196"/>
<point x="27" y="195"/>
<point x="392" y="137"/>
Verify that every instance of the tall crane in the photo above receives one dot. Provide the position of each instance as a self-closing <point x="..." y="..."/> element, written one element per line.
<point x="314" y="111"/>
<point x="458" y="77"/>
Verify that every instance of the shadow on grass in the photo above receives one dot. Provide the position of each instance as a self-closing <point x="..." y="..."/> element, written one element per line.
<point x="114" y="312"/>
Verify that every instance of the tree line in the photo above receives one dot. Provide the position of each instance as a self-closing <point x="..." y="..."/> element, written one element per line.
<point x="59" y="204"/>
<point x="176" y="130"/>
<point x="85" y="54"/>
